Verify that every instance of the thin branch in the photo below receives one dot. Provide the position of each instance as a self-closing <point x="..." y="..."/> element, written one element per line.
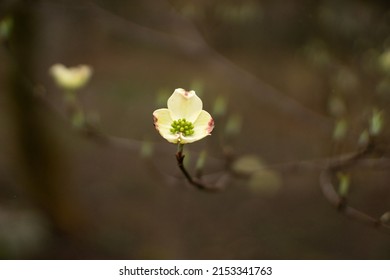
<point x="341" y="203"/>
<point x="196" y="182"/>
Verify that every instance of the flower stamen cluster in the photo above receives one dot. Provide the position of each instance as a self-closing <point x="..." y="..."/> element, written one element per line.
<point x="182" y="126"/>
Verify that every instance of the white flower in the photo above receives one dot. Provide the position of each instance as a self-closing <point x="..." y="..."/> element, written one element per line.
<point x="183" y="121"/>
<point x="71" y="78"/>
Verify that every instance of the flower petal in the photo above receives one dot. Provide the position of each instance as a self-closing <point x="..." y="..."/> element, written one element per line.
<point x="162" y="122"/>
<point x="204" y="123"/>
<point x="185" y="104"/>
<point x="203" y="126"/>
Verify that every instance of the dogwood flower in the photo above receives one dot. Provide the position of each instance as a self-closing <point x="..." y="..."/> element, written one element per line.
<point x="71" y="78"/>
<point x="183" y="121"/>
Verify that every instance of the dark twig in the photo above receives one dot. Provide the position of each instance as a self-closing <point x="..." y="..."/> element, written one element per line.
<point x="196" y="182"/>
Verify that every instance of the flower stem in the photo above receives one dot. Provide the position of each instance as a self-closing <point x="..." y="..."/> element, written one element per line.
<point x="193" y="181"/>
<point x="180" y="148"/>
<point x="180" y="161"/>
<point x="74" y="108"/>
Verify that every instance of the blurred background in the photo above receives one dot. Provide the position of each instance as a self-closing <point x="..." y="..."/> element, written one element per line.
<point x="287" y="82"/>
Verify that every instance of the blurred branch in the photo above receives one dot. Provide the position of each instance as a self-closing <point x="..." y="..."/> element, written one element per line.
<point x="339" y="201"/>
<point x="323" y="163"/>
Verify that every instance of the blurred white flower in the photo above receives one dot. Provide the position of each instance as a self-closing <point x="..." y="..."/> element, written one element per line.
<point x="71" y="78"/>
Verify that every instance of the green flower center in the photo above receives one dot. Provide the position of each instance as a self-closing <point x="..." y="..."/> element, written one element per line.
<point x="183" y="126"/>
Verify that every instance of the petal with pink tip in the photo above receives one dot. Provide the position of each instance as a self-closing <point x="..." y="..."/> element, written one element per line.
<point x="162" y="122"/>
<point x="184" y="104"/>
